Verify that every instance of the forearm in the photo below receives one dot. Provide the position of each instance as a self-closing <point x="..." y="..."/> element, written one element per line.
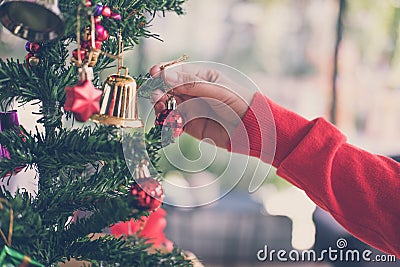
<point x="359" y="189"/>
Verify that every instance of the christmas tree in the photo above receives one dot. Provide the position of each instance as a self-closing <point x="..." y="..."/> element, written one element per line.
<point x="83" y="169"/>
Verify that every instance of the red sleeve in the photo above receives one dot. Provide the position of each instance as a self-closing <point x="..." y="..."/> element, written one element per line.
<point x="359" y="189"/>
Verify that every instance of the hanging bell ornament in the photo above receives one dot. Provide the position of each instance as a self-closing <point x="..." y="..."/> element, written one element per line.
<point x="33" y="20"/>
<point x="171" y="117"/>
<point x="118" y="105"/>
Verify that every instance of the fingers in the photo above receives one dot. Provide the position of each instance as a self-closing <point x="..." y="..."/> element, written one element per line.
<point x="189" y="84"/>
<point x="156" y="70"/>
<point x="191" y="80"/>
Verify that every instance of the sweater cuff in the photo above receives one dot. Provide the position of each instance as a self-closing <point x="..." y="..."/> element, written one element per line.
<point x="269" y="131"/>
<point x="255" y="135"/>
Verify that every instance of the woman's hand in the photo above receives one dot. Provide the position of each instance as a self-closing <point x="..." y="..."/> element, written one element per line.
<point x="211" y="103"/>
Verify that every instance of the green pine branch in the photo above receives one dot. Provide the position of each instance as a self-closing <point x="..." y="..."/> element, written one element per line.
<point x="127" y="252"/>
<point x="86" y="169"/>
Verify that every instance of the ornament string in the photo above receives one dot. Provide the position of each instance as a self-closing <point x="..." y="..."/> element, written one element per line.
<point x="78" y="34"/>
<point x="176" y="61"/>
<point x="171" y="63"/>
<point x="93" y="44"/>
<point x="120" y="52"/>
<point x="92" y="41"/>
<point x="7" y="239"/>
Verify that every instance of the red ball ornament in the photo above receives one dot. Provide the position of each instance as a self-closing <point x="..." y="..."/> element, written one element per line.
<point x="88" y="3"/>
<point x="75" y="54"/>
<point x="83" y="100"/>
<point x="106" y="12"/>
<point x="97" y="20"/>
<point x="171" y="118"/>
<point x="28" y="56"/>
<point x="34" y="47"/>
<point x="147" y="194"/>
<point x="175" y="121"/>
<point x="88" y="45"/>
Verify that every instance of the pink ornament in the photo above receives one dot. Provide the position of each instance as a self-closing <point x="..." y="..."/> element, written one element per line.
<point x="101" y="33"/>
<point x="116" y="16"/>
<point x="99" y="29"/>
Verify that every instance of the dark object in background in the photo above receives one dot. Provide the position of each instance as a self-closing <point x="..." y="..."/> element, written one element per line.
<point x="228" y="232"/>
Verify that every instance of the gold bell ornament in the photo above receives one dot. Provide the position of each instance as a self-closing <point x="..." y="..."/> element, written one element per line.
<point x="118" y="104"/>
<point x="33" y="20"/>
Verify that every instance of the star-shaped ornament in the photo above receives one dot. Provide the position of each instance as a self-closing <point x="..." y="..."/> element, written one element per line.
<point x="83" y="100"/>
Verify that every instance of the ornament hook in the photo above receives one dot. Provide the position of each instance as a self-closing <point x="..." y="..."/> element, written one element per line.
<point x="121" y="53"/>
<point x="176" y="61"/>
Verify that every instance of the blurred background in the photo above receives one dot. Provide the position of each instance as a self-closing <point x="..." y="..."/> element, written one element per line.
<point x="339" y="59"/>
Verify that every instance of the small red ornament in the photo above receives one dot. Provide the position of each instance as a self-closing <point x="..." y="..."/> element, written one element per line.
<point x="106" y="12"/>
<point x="28" y="56"/>
<point x="171" y="118"/>
<point x="175" y="122"/>
<point x="97" y="20"/>
<point x="34" y="47"/>
<point x="148" y="193"/>
<point x="88" y="45"/>
<point x="116" y="16"/>
<point x="75" y="54"/>
<point x="83" y="100"/>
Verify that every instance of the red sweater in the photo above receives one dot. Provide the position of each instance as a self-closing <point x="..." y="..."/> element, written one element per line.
<point x="359" y="189"/>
